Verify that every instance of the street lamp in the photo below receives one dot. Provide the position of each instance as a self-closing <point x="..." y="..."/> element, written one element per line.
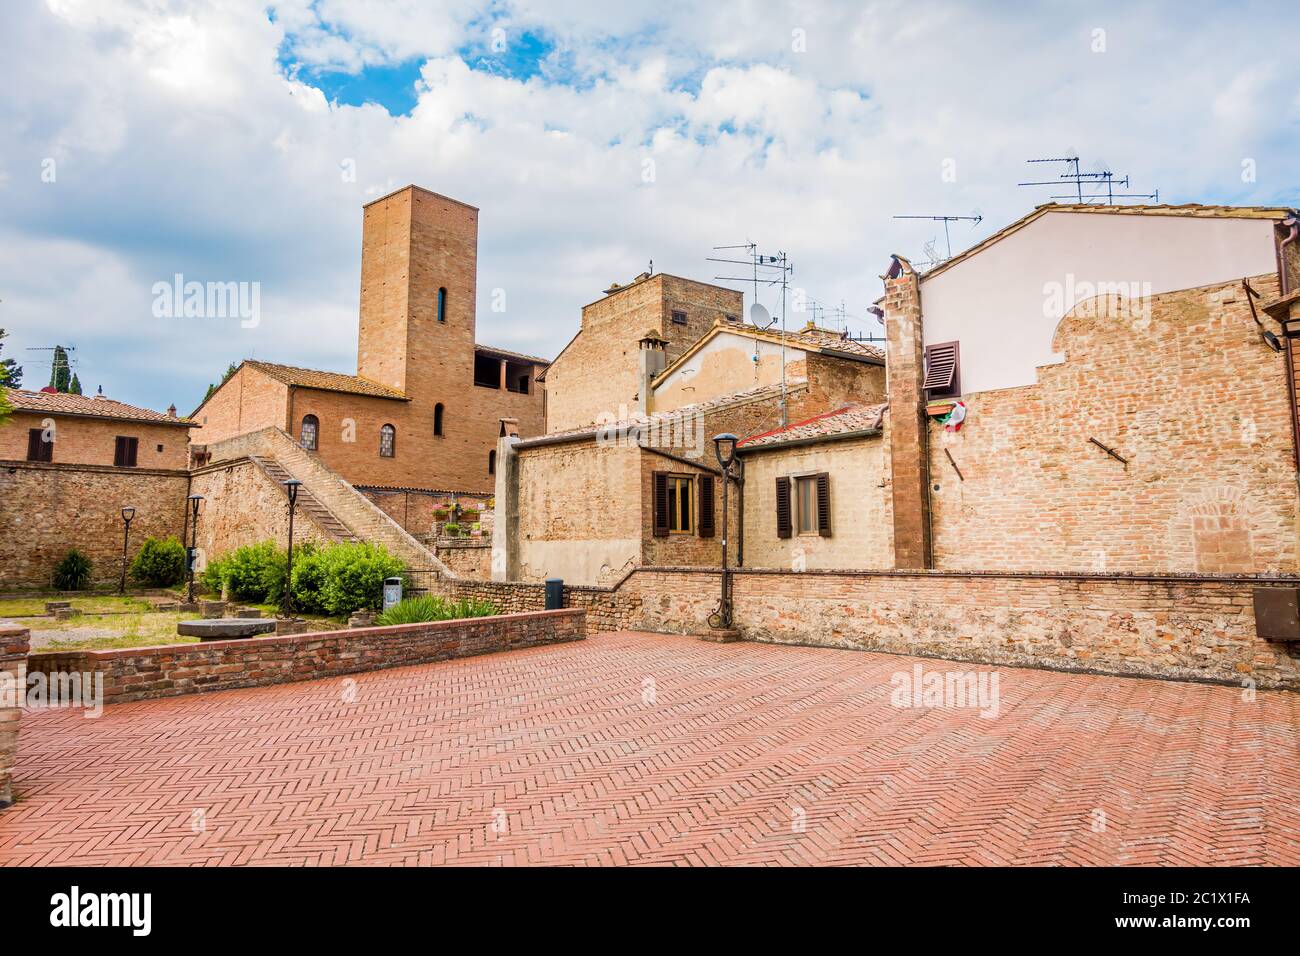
<point x="196" y="502"/>
<point x="291" y="486"/>
<point x="127" y="514"/>
<point x="724" y="447"/>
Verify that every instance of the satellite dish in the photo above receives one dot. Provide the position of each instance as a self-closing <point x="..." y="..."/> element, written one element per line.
<point x="759" y="316"/>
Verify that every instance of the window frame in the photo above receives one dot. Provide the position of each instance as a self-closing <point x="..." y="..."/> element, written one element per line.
<point x="315" y="434"/>
<point x="126" y="451"/>
<point x="675" y="320"/>
<point x="798" y="483"/>
<point x="389" y="430"/>
<point x="36" y="439"/>
<point x="439" y="416"/>
<point x="442" y="304"/>
<point x="676" y="482"/>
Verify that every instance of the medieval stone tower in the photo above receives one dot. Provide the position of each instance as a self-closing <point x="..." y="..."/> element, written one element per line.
<point x="419" y="258"/>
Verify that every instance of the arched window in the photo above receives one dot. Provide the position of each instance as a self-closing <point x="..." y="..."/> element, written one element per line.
<point x="437" y="419"/>
<point x="442" y="305"/>
<point x="387" y="441"/>
<point x="492" y="462"/>
<point x="310" y="430"/>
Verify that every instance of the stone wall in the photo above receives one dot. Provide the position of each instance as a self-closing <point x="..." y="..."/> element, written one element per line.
<point x="243" y="505"/>
<point x="46" y="509"/>
<point x="1179" y="626"/>
<point x="470" y="558"/>
<point x="13" y="683"/>
<point x="149" y="672"/>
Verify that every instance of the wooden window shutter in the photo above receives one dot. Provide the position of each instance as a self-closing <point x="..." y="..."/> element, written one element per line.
<point x="824" y="504"/>
<point x="706" y="506"/>
<point x="661" y="504"/>
<point x="784" y="528"/>
<point x="38" y="449"/>
<point x="943" y="370"/>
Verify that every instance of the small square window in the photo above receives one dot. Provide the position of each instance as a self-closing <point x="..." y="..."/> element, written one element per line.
<point x="679" y="318"/>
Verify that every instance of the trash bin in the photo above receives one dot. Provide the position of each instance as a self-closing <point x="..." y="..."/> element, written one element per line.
<point x="554" y="594"/>
<point x="392" y="592"/>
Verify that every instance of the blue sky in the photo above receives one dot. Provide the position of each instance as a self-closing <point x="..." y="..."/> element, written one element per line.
<point x="238" y="141"/>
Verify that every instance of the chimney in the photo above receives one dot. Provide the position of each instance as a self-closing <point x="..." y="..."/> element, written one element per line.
<point x="509" y="428"/>
<point x="171" y="410"/>
<point x="908" y="436"/>
<point x="652" y="360"/>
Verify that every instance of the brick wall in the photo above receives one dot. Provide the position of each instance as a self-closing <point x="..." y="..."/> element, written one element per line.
<point x="598" y="372"/>
<point x="46" y="509"/>
<point x="909" y="453"/>
<point x="150" y="672"/>
<point x="13" y="683"/>
<point x="860" y="537"/>
<point x="243" y="505"/>
<point x="1179" y="626"/>
<point x="468" y="559"/>
<point x="1188" y="393"/>
<point x="246" y="402"/>
<point x="91" y="441"/>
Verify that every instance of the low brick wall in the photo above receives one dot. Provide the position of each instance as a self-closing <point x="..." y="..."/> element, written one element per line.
<point x="468" y="557"/>
<point x="13" y="682"/>
<point x="1180" y="626"/>
<point x="142" y="673"/>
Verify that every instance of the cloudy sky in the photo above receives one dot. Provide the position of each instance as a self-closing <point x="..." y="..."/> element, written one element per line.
<point x="232" y="141"/>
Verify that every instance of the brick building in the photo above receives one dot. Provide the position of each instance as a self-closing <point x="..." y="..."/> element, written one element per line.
<point x="68" y="465"/>
<point x="423" y="411"/>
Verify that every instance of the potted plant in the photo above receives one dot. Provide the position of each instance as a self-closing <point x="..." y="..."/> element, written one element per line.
<point x="451" y="529"/>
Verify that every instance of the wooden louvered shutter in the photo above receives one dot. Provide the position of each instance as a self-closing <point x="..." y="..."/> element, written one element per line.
<point x="943" y="370"/>
<point x="661" y="504"/>
<point x="706" y="506"/>
<point x="38" y="449"/>
<point x="783" y="526"/>
<point x="824" y="504"/>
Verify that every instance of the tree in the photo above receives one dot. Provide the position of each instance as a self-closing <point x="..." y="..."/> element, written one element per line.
<point x="11" y="373"/>
<point x="230" y="370"/>
<point x="60" y="371"/>
<point x="74" y="387"/>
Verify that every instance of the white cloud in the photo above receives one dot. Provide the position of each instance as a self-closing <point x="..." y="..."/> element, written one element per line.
<point x="182" y="147"/>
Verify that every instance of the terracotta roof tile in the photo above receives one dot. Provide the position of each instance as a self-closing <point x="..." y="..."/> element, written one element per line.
<point x="59" y="403"/>
<point x="325" y="381"/>
<point x="493" y="350"/>
<point x="850" y="418"/>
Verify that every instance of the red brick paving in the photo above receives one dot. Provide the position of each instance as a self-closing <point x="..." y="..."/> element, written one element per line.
<point x="550" y="755"/>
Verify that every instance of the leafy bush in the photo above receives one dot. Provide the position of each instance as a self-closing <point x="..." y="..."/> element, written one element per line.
<point x="419" y="610"/>
<point x="160" y="562"/>
<point x="451" y="529"/>
<point x="248" y="569"/>
<point x="354" y="577"/>
<point x="343" y="578"/>
<point x="72" y="573"/>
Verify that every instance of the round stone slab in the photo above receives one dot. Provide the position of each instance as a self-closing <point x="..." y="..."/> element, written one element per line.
<point x="225" y="628"/>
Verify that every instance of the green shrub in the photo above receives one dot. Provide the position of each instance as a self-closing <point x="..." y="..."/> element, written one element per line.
<point x="160" y="562"/>
<point x="354" y="577"/>
<point x="309" y="575"/>
<point x="420" y="610"/>
<point x="451" y="529"/>
<point x="72" y="573"/>
<point x="247" y="569"/>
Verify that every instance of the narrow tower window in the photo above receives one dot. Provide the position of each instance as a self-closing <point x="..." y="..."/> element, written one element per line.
<point x="442" y="305"/>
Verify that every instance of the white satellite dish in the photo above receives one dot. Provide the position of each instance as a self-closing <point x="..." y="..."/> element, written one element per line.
<point x="759" y="316"/>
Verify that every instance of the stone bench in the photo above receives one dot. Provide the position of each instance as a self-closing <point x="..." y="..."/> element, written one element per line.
<point x="225" y="628"/>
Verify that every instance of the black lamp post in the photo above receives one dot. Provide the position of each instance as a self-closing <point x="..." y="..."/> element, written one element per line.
<point x="291" y="486"/>
<point x="127" y="514"/>
<point x="196" y="501"/>
<point x="724" y="446"/>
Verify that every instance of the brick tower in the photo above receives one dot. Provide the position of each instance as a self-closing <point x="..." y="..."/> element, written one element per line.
<point x="419" y="260"/>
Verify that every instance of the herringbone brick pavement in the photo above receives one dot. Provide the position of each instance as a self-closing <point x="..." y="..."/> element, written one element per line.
<point x="648" y="749"/>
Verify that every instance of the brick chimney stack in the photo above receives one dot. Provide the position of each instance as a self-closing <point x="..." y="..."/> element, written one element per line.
<point x="908" y="437"/>
<point x="652" y="360"/>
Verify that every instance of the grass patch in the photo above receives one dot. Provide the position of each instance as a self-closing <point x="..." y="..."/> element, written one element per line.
<point x="102" y="604"/>
<point x="103" y="632"/>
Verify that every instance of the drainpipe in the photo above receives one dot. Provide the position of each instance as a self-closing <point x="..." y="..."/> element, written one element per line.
<point x="1292" y="222"/>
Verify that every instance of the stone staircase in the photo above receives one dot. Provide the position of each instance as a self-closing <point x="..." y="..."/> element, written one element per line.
<point x="308" y="504"/>
<point x="340" y="508"/>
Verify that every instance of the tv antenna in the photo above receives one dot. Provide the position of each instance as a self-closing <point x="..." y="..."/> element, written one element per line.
<point x="765" y="270"/>
<point x="974" y="220"/>
<point x="1103" y="177"/>
<point x="53" y="361"/>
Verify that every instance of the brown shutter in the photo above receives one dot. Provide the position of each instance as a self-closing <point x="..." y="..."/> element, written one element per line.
<point x="783" y="527"/>
<point x="943" y="369"/>
<point x="661" y="504"/>
<point x="706" y="506"/>
<point x="824" y="504"/>
<point x="37" y="448"/>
